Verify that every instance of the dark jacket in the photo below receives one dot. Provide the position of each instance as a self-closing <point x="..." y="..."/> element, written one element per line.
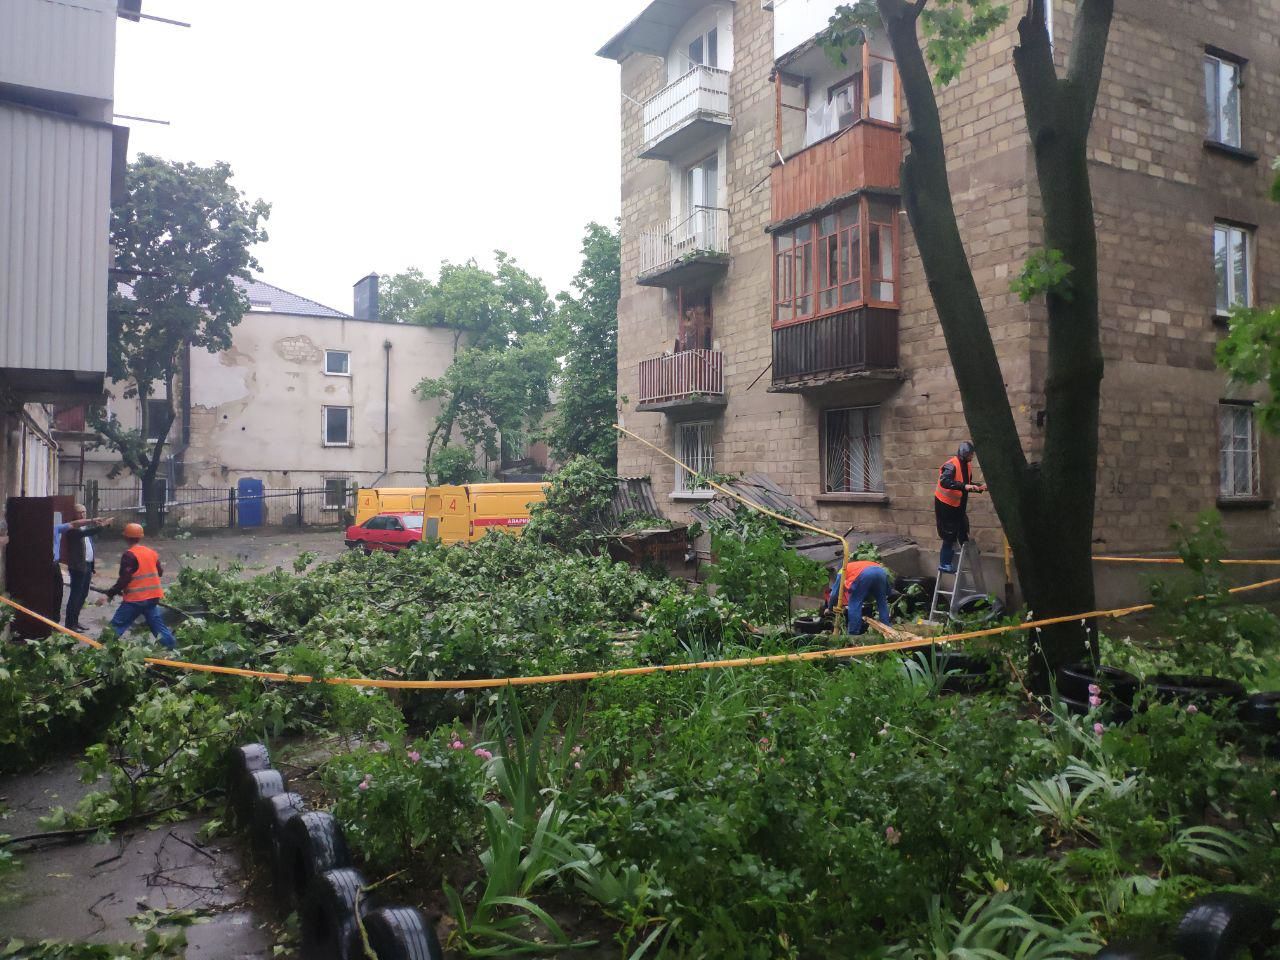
<point x="71" y="548"/>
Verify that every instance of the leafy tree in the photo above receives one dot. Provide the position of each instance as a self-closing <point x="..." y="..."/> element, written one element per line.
<point x="181" y="239"/>
<point x="1250" y="353"/>
<point x="456" y="465"/>
<point x="1045" y="507"/>
<point x="505" y="349"/>
<point x="589" y="385"/>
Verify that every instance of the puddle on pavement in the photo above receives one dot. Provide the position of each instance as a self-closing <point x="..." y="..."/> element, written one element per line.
<point x="88" y="891"/>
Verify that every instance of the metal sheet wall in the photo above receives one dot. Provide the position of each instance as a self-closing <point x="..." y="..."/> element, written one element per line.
<point x="55" y="185"/>
<point x="65" y="46"/>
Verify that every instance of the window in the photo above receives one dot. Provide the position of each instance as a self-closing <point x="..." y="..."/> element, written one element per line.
<point x="337" y="426"/>
<point x="1222" y="99"/>
<point x="694" y="331"/>
<point x="882" y="101"/>
<point x="697" y="450"/>
<point x="701" y="185"/>
<point x="843" y="259"/>
<point x="1231" y="264"/>
<point x="703" y="50"/>
<point x="335" y="493"/>
<point x="1238" y="449"/>
<point x="846" y="100"/>
<point x="337" y="363"/>
<point x="156" y="415"/>
<point x="376" y="523"/>
<point x="851" y="451"/>
<point x="412" y="522"/>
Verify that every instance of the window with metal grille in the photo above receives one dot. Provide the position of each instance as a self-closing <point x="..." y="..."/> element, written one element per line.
<point x="697" y="450"/>
<point x="1238" y="451"/>
<point x="335" y="493"/>
<point x="853" y="462"/>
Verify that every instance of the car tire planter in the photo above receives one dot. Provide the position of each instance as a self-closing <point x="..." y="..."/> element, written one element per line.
<point x="310" y="844"/>
<point x="259" y="784"/>
<point x="811" y="625"/>
<point x="398" y="933"/>
<point x="1129" y="951"/>
<point x="269" y="817"/>
<point x="1117" y="685"/>
<point x="981" y="607"/>
<point x="1113" y="711"/>
<point x="1221" y="926"/>
<point x="328" y="915"/>
<point x="242" y="762"/>
<point x="972" y="673"/>
<point x="1202" y="692"/>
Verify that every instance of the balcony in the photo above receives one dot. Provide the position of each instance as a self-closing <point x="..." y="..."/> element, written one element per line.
<point x="856" y="344"/>
<point x="864" y="156"/>
<point x="685" y="251"/>
<point x="688" y="381"/>
<point x="61" y="51"/>
<point x="686" y="112"/>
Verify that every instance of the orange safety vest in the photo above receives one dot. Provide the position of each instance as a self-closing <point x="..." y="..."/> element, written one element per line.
<point x="952" y="498"/>
<point x="145" y="584"/>
<point x="855" y="569"/>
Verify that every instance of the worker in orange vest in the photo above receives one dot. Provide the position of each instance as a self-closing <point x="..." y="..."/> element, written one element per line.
<point x="862" y="578"/>
<point x="950" y="501"/>
<point x="140" y="572"/>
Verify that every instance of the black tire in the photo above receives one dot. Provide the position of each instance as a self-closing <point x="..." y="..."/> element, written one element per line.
<point x="259" y="784"/>
<point x="1118" y="685"/>
<point x="981" y="608"/>
<point x="1205" y="693"/>
<point x="311" y="843"/>
<point x="399" y="933"/>
<point x="811" y="625"/>
<point x="269" y="817"/>
<point x="1221" y="926"/>
<point x="328" y="915"/>
<point x="1110" y="712"/>
<point x="965" y="672"/>
<point x="242" y="761"/>
<point x="1262" y="712"/>
<point x="1129" y="951"/>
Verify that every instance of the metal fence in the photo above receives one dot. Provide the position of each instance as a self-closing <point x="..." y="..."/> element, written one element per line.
<point x="213" y="507"/>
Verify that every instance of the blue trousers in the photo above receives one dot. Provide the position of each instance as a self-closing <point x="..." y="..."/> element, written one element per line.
<point x="874" y="581"/>
<point x="148" y="609"/>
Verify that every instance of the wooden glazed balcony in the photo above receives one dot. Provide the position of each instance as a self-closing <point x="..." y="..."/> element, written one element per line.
<point x="836" y="347"/>
<point x="865" y="155"/>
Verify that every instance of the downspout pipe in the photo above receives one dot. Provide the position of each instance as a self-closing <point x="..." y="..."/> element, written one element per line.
<point x="386" y="408"/>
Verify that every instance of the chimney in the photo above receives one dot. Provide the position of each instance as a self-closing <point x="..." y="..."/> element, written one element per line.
<point x="367" y="298"/>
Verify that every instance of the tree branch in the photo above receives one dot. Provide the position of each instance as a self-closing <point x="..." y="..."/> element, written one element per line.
<point x="1088" y="48"/>
<point x="1037" y="77"/>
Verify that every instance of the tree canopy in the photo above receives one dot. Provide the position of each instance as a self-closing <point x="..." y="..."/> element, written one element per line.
<point x="181" y="240"/>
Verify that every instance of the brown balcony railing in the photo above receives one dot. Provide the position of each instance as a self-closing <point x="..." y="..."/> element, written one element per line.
<point x="827" y="347"/>
<point x="678" y="375"/>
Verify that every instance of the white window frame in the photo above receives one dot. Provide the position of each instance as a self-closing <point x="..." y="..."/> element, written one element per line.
<point x="1215" y="93"/>
<point x="336" y="373"/>
<point x="701" y="457"/>
<point x="871" y="417"/>
<point x="1235" y="298"/>
<point x="1238" y="433"/>
<point x="324" y="500"/>
<point x="324" y="425"/>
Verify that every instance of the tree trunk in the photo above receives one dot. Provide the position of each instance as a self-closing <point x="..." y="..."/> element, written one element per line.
<point x="1046" y="508"/>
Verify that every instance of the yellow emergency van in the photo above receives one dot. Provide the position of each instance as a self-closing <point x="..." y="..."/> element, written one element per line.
<point x="458" y="514"/>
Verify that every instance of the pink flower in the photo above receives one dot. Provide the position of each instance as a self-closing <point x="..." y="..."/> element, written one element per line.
<point x="1095" y="701"/>
<point x="1192" y="708"/>
<point x="1099" y="729"/>
<point x="852" y="755"/>
<point x="577" y="750"/>
<point x="577" y="765"/>
<point x="891" y="836"/>
<point x="364" y="784"/>
<point x="457" y="745"/>
<point x="414" y="756"/>
<point x="1094" y="689"/>
<point x="482" y="753"/>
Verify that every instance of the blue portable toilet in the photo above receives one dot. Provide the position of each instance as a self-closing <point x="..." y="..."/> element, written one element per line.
<point x="249" y="502"/>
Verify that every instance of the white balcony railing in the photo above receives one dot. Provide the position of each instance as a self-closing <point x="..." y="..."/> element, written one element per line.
<point x="676" y="376"/>
<point x="701" y="91"/>
<point x="704" y="230"/>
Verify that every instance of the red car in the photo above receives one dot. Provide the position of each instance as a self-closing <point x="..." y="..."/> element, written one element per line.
<point x="392" y="531"/>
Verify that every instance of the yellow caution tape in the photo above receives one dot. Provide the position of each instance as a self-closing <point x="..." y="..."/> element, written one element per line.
<point x="1264" y="563"/>
<point x="843" y="652"/>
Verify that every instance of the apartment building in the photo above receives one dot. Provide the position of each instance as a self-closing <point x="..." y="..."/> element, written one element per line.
<point x="774" y="315"/>
<point x="61" y="161"/>
<point x="307" y="396"/>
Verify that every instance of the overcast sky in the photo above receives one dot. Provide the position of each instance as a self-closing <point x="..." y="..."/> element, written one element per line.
<point x="389" y="133"/>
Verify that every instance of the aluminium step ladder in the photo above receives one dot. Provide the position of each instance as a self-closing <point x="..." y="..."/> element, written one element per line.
<point x="968" y="568"/>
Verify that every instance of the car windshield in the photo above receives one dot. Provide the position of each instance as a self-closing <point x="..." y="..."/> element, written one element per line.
<point x="412" y="523"/>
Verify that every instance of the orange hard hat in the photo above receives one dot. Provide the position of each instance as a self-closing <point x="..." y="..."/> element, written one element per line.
<point x="133" y="531"/>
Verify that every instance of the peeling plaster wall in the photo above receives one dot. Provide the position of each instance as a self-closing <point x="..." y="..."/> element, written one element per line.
<point x="256" y="409"/>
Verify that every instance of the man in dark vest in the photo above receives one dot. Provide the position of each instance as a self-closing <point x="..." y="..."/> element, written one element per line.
<point x="76" y="551"/>
<point x="951" y="500"/>
<point x="139" y="581"/>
